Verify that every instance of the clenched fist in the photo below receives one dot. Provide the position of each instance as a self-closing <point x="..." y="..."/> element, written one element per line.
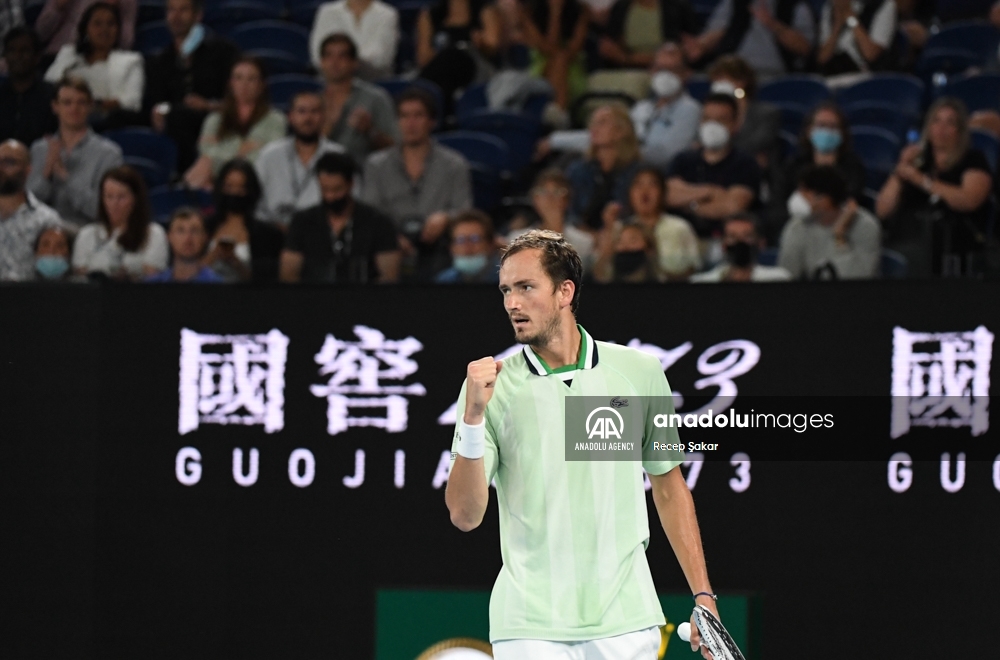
<point x="480" y="377"/>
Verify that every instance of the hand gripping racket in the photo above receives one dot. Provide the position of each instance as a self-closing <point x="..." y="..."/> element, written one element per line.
<point x="714" y="635"/>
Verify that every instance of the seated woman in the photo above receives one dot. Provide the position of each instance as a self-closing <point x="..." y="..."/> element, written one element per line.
<point x="825" y="140"/>
<point x="935" y="204"/>
<point x="123" y="244"/>
<point x="550" y="201"/>
<point x="241" y="128"/>
<point x="457" y="43"/>
<point x="240" y="247"/>
<point x="637" y="28"/>
<point x="555" y="31"/>
<point x="632" y="257"/>
<point x="52" y="251"/>
<point x="115" y="76"/>
<point x="605" y="174"/>
<point x="676" y="252"/>
<point x="856" y="36"/>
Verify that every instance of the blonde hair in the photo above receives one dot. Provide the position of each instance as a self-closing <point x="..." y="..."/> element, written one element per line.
<point x="961" y="118"/>
<point x="628" y="145"/>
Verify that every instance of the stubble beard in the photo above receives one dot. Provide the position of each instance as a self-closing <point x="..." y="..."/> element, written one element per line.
<point x="543" y="337"/>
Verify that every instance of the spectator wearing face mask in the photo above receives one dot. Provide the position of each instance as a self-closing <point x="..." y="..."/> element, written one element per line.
<point x="241" y="248"/>
<point x="709" y="184"/>
<point x="473" y="252"/>
<point x="838" y="240"/>
<point x="187" y="236"/>
<point x="634" y="260"/>
<point x="825" y="140"/>
<point x="757" y="122"/>
<point x="22" y="217"/>
<point x="742" y="243"/>
<point x="52" y="250"/>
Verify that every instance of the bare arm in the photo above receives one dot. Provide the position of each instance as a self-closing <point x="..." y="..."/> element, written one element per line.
<point x="467" y="493"/>
<point x="488" y="39"/>
<point x="425" y="37"/>
<point x="870" y="50"/>
<point x="968" y="196"/>
<point x="533" y="36"/>
<point x="726" y="202"/>
<point x="579" y="34"/>
<point x="681" y="193"/>
<point x="290" y="266"/>
<point x="888" y="197"/>
<point x="387" y="264"/>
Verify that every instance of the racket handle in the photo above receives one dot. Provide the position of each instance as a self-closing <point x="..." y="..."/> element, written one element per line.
<point x="684" y="631"/>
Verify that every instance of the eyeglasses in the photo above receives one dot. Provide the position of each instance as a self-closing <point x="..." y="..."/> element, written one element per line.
<point x="550" y="192"/>
<point x="468" y="240"/>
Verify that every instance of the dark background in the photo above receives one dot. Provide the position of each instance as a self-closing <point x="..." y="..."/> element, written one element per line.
<point x="107" y="555"/>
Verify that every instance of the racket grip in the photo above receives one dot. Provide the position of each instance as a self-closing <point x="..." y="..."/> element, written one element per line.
<point x="684" y="631"/>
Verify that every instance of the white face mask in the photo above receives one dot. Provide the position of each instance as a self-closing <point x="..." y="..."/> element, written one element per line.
<point x="723" y="87"/>
<point x="713" y="135"/>
<point x="798" y="207"/>
<point x="665" y="84"/>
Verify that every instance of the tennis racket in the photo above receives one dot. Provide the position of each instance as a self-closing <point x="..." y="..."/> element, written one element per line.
<point x="714" y="635"/>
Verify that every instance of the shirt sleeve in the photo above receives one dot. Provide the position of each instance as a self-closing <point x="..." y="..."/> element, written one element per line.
<point x="380" y="52"/>
<point x="384" y="117"/>
<point x="65" y="58"/>
<point x="272" y="127"/>
<point x="324" y="23"/>
<point x="129" y="93"/>
<point x="156" y="253"/>
<point x="860" y="258"/>
<point x="369" y="186"/>
<point x="84" y="246"/>
<point x="719" y="20"/>
<point x="491" y="457"/>
<point x="658" y="400"/>
<point x="790" y="255"/>
<point x="83" y="191"/>
<point x="883" y="26"/>
<point x="50" y="20"/>
<point x="462" y="190"/>
<point x="803" y="23"/>
<point x="39" y="186"/>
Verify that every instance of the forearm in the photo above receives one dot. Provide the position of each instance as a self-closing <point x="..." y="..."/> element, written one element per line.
<point x="680" y="193"/>
<point x="467" y="493"/>
<point x="830" y="47"/>
<point x="868" y="48"/>
<point x="957" y="198"/>
<point x="888" y="198"/>
<point x="722" y="206"/>
<point x="792" y="39"/>
<point x="675" y="508"/>
<point x="709" y="41"/>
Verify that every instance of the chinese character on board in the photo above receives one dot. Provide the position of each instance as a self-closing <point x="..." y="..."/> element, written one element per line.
<point x="232" y="379"/>
<point x="357" y="392"/>
<point x="941" y="379"/>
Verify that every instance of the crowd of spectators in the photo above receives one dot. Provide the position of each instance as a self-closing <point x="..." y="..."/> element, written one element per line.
<point x="680" y="168"/>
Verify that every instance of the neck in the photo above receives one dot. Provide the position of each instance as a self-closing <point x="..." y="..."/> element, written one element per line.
<point x="553" y="221"/>
<point x="186" y="269"/>
<point x="9" y="204"/>
<point x="563" y="348"/>
<point x="606" y="157"/>
<point x="739" y="274"/>
<point x="358" y="5"/>
<point x="70" y="136"/>
<point x="825" y="159"/>
<point x="99" y="55"/>
<point x="713" y="156"/>
<point x="941" y="154"/>
<point x="306" y="150"/>
<point x="417" y="149"/>
<point x="648" y="219"/>
<point x="336" y="87"/>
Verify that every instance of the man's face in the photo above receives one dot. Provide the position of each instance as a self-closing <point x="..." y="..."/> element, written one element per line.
<point x="181" y="17"/>
<point x="336" y="64"/>
<point x="669" y="58"/>
<point x="721" y="113"/>
<point x="71" y="107"/>
<point x="14" y="165"/>
<point x="187" y="238"/>
<point x="820" y="204"/>
<point x="22" y="59"/>
<point x="415" y="123"/>
<point x="737" y="231"/>
<point x="306" y="115"/>
<point x="333" y="186"/>
<point x="550" y="197"/>
<point x="532" y="301"/>
<point x="468" y="239"/>
<point x="53" y="243"/>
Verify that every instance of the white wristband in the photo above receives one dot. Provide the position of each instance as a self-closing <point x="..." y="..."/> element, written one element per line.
<point x="472" y="440"/>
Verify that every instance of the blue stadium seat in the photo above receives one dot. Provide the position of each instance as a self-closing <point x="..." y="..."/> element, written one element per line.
<point x="518" y="56"/>
<point x="520" y="132"/>
<point x="980" y="38"/>
<point x="947" y="61"/>
<point x="164" y="201"/>
<point x="893" y="265"/>
<point x="396" y="86"/>
<point x="147" y="144"/>
<point x="800" y="90"/>
<point x="698" y="86"/>
<point x="480" y="148"/>
<point x="535" y="105"/>
<point x="881" y="114"/>
<point x="151" y="38"/>
<point x="150" y="11"/>
<point x="980" y="92"/>
<point x="152" y="172"/>
<point x="32" y="11"/>
<point x="768" y="256"/>
<point x="303" y="12"/>
<point x="788" y="143"/>
<point x="792" y="116"/>
<point x="878" y="150"/>
<point x="282" y="88"/>
<point x="471" y="100"/>
<point x="989" y="145"/>
<point x="273" y="35"/>
<point x="485" y="187"/>
<point x="904" y="91"/>
<point x="409" y="12"/>
<point x="278" y="62"/>
<point x="226" y="16"/>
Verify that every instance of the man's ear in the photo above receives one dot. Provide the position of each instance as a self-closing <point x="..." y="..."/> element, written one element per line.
<point x="567" y="289"/>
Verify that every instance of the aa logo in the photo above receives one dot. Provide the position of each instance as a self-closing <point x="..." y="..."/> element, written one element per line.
<point x="604" y="427"/>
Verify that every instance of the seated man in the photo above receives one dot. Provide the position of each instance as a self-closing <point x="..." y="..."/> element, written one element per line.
<point x="286" y="167"/>
<point x="371" y="23"/>
<point x="52" y="252"/>
<point x="709" y="184"/>
<point x="838" y="240"/>
<point x="22" y="217"/>
<point x="66" y="168"/>
<point x="358" y="115"/>
<point x="25" y="99"/>
<point x="742" y="242"/>
<point x="418" y="183"/>
<point x="473" y="253"/>
<point x="340" y="240"/>
<point x="188" y="240"/>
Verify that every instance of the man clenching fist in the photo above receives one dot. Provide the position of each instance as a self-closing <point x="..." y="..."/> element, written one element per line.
<point x="480" y="377"/>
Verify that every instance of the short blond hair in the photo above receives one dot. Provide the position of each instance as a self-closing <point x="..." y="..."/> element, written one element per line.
<point x="628" y="145"/>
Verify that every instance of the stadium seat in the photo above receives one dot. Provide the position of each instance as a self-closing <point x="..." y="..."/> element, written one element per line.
<point x="518" y="56"/>
<point x="226" y="16"/>
<point x="878" y="150"/>
<point x="946" y="61"/>
<point x="800" y="90"/>
<point x="152" y="172"/>
<point x="698" y="86"/>
<point x="893" y="265"/>
<point x="768" y="257"/>
<point x="409" y="12"/>
<point x="151" y="38"/>
<point x="904" y="91"/>
<point x="303" y="12"/>
<point x="989" y="145"/>
<point x="273" y="35"/>
<point x="396" y="86"/>
<point x="486" y="186"/>
<point x="480" y="148"/>
<point x="164" y="201"/>
<point x="634" y="84"/>
<point x="788" y="144"/>
<point x="518" y="131"/>
<point x="980" y="92"/>
<point x="150" y="11"/>
<point x="880" y="114"/>
<point x="278" y="62"/>
<point x="792" y="116"/>
<point x="471" y="100"/>
<point x="32" y="11"/>
<point x="980" y="38"/>
<point x="282" y="88"/>
<point x="147" y="144"/>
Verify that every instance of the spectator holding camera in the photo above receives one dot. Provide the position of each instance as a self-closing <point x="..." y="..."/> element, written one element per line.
<point x="188" y="237"/>
<point x="838" y="240"/>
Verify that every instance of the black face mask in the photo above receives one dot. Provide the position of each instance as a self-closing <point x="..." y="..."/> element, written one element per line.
<point x="11" y="185"/>
<point x="627" y="263"/>
<point x="741" y="254"/>
<point x="239" y="204"/>
<point x="337" y="206"/>
<point x="306" y="138"/>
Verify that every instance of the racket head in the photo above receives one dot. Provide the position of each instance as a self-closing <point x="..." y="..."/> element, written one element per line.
<point x="714" y="635"/>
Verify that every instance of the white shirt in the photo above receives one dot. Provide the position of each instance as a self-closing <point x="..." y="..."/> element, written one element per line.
<point x="18" y="234"/>
<point x="376" y="34"/>
<point x="120" y="77"/>
<point x="288" y="185"/>
<point x="881" y="31"/>
<point x="759" y="274"/>
<point x="96" y="251"/>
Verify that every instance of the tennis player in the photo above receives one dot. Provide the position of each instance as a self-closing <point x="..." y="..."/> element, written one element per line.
<point x="575" y="582"/>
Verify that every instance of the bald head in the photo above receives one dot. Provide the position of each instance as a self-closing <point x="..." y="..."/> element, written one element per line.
<point x="14" y="149"/>
<point x="14" y="165"/>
